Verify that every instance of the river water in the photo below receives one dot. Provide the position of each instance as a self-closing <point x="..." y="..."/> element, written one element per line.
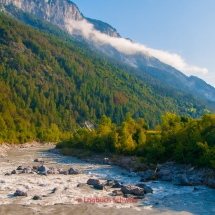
<point x="70" y="199"/>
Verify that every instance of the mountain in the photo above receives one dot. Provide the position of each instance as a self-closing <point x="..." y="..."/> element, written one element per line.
<point x="63" y="13"/>
<point x="52" y="84"/>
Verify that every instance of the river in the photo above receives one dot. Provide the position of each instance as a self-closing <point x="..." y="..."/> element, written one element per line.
<point x="70" y="199"/>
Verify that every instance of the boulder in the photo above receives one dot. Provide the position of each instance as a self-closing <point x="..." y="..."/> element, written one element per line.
<point x="166" y="177"/>
<point x="100" y="186"/>
<point x="14" y="172"/>
<point x="20" y="193"/>
<point x="73" y="171"/>
<point x="147" y="176"/>
<point x="37" y="197"/>
<point x="184" y="181"/>
<point x="117" y="185"/>
<point x="147" y="189"/>
<point x="43" y="169"/>
<point x="132" y="174"/>
<point x="211" y="183"/>
<point x="93" y="181"/>
<point x="195" y="180"/>
<point x="19" y="168"/>
<point x="131" y="189"/>
<point x="164" y="172"/>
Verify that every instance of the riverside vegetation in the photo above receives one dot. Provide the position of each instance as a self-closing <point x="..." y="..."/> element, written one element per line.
<point x="180" y="139"/>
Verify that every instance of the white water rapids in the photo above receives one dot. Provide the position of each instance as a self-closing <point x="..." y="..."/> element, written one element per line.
<point x="166" y="198"/>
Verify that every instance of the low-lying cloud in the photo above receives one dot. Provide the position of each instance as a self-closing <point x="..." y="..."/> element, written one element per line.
<point x="129" y="47"/>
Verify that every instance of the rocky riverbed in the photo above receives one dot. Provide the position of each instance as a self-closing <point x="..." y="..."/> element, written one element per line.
<point x="179" y="174"/>
<point x="35" y="180"/>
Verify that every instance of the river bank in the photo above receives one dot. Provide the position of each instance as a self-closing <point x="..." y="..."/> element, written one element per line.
<point x="178" y="174"/>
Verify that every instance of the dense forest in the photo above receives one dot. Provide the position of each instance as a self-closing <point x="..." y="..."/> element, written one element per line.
<point x="180" y="139"/>
<point x="50" y="86"/>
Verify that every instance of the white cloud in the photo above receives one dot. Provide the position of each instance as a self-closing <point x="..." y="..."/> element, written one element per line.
<point x="128" y="47"/>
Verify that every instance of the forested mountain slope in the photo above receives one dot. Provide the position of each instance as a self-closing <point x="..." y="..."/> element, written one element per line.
<point x="50" y="86"/>
<point x="66" y="15"/>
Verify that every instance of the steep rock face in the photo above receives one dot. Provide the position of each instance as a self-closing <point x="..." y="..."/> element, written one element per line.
<point x="103" y="27"/>
<point x="58" y="12"/>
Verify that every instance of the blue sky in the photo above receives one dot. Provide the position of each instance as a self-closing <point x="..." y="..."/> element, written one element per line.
<point x="185" y="27"/>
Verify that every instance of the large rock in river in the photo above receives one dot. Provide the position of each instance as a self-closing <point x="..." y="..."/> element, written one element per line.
<point x="73" y="171"/>
<point x="211" y="183"/>
<point x="146" y="188"/>
<point x="43" y="169"/>
<point x="93" y="181"/>
<point x="165" y="175"/>
<point x="100" y="186"/>
<point x="131" y="189"/>
<point x="147" y="176"/>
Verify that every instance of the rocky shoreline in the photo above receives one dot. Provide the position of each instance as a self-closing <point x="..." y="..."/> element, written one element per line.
<point x="179" y="174"/>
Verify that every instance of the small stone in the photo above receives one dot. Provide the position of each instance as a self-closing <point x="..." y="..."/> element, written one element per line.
<point x="20" y="193"/>
<point x="81" y="185"/>
<point x="19" y="168"/>
<point x="133" y="196"/>
<point x="7" y="173"/>
<point x="56" y="189"/>
<point x="37" y="197"/>
<point x="14" y="172"/>
<point x="38" y="160"/>
<point x="26" y="170"/>
<point x="35" y="167"/>
<point x="63" y="172"/>
<point x="117" y="193"/>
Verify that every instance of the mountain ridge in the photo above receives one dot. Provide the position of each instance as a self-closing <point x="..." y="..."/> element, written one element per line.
<point x="61" y="12"/>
